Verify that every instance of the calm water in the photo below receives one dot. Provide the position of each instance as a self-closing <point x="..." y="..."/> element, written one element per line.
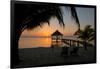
<point x="32" y="42"/>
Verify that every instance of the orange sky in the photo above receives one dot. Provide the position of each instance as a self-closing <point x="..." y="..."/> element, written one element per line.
<point x="47" y="30"/>
<point x="85" y="15"/>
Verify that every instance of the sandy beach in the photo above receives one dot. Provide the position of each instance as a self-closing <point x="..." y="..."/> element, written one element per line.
<point x="35" y="57"/>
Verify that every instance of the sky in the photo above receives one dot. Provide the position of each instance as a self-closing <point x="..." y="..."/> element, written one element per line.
<point x="85" y="15"/>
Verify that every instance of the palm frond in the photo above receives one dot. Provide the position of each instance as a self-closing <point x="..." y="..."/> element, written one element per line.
<point x="75" y="16"/>
<point x="86" y="34"/>
<point x="34" y="15"/>
<point x="42" y="15"/>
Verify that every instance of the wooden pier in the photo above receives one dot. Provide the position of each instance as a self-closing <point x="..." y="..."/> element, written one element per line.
<point x="72" y="42"/>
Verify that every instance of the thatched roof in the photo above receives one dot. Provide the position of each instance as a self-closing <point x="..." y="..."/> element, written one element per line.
<point x="56" y="33"/>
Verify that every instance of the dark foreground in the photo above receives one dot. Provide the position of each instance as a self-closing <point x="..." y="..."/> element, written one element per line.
<point x="35" y="57"/>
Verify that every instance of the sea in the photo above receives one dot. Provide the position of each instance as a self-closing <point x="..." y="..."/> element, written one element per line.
<point x="34" y="42"/>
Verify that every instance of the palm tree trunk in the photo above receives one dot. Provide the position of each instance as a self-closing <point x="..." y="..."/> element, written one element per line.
<point x="85" y="44"/>
<point x="14" y="48"/>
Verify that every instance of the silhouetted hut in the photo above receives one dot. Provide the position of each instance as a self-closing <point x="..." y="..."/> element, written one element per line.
<point x="56" y="36"/>
<point x="56" y="39"/>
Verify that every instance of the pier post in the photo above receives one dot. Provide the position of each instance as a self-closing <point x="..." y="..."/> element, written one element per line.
<point x="78" y="43"/>
<point x="70" y="43"/>
<point x="73" y="42"/>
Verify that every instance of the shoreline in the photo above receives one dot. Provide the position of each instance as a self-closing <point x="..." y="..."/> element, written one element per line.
<point x="47" y="56"/>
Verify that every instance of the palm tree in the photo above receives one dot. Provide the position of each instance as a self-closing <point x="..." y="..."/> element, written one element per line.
<point x="31" y="15"/>
<point x="87" y="35"/>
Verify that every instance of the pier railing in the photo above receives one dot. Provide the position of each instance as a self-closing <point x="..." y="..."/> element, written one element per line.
<point x="72" y="42"/>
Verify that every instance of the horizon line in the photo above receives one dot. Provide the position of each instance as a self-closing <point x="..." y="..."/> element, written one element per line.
<point x="42" y="36"/>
